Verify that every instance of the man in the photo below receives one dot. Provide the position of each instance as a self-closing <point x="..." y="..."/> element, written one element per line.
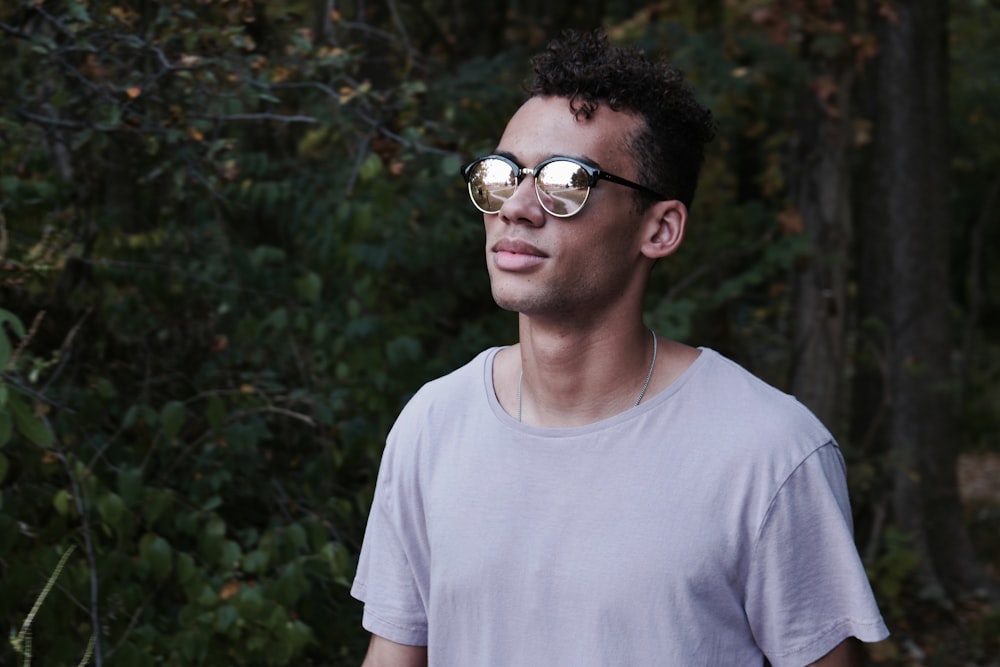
<point x="596" y="495"/>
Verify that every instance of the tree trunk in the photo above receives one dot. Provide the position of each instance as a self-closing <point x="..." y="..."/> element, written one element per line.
<point x="821" y="189"/>
<point x="908" y="201"/>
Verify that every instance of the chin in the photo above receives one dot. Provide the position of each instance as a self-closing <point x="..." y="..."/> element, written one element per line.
<point x="507" y="302"/>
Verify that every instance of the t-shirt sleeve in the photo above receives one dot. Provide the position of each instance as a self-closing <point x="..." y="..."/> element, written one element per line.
<point x="391" y="576"/>
<point x="807" y="590"/>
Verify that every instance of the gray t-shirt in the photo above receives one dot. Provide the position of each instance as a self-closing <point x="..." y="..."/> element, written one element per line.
<point x="710" y="526"/>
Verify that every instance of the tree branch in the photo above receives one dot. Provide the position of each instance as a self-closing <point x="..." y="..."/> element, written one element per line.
<point x="254" y="116"/>
<point x="64" y="350"/>
<point x="88" y="544"/>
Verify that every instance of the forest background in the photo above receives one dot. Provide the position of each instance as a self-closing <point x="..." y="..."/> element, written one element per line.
<point x="233" y="241"/>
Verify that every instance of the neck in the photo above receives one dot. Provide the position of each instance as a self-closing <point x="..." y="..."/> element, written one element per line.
<point x="576" y="377"/>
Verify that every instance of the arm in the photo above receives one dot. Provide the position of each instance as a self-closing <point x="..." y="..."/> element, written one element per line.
<point x="385" y="653"/>
<point x="846" y="654"/>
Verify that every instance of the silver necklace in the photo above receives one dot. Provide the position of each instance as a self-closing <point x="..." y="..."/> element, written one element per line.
<point x="638" y="400"/>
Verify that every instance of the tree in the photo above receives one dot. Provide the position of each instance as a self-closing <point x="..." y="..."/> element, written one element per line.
<point x="821" y="191"/>
<point x="212" y="223"/>
<point x="905" y="294"/>
<point x="233" y="240"/>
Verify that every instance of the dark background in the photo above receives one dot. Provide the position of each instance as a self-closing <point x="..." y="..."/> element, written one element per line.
<point x="233" y="241"/>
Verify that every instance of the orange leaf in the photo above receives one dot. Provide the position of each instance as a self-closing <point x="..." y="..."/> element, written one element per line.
<point x="133" y="91"/>
<point x="887" y="10"/>
<point x="791" y="221"/>
<point x="231" y="588"/>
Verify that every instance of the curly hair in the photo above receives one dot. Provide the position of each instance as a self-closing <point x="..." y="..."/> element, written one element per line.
<point x="585" y="68"/>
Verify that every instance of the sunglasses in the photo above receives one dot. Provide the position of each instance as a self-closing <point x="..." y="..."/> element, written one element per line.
<point x="562" y="184"/>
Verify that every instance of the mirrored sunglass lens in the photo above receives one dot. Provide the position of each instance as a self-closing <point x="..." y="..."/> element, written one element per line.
<point x="562" y="187"/>
<point x="491" y="183"/>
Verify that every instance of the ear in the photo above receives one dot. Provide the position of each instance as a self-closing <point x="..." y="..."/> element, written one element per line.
<point x="664" y="228"/>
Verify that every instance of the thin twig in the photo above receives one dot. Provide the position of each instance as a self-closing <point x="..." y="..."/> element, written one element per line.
<point x="64" y="350"/>
<point x="232" y="419"/>
<point x="30" y="618"/>
<point x="254" y="116"/>
<point x="358" y="161"/>
<point x="82" y="510"/>
<point x="3" y="235"/>
<point x="285" y="412"/>
<point x="398" y="20"/>
<point x="90" y="650"/>
<point x="17" y="383"/>
<point x="721" y="258"/>
<point x="27" y="338"/>
<point x="14" y="32"/>
<point x="135" y="617"/>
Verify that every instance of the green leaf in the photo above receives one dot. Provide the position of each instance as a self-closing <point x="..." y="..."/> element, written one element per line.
<point x="155" y="552"/>
<point x="265" y="254"/>
<point x="212" y="503"/>
<point x="207" y="597"/>
<point x="7" y="317"/>
<point x="4" y="349"/>
<point x="215" y="412"/>
<point x="104" y="388"/>
<point x="112" y="509"/>
<point x="186" y="568"/>
<point x="278" y="319"/>
<point x="215" y="527"/>
<point x="310" y="287"/>
<point x="6" y="427"/>
<point x="229" y="555"/>
<point x="371" y="167"/>
<point x="296" y="536"/>
<point x="255" y="562"/>
<point x="336" y="556"/>
<point x="192" y="646"/>
<point x="63" y="502"/>
<point x="450" y="165"/>
<point x="130" y="485"/>
<point x="157" y="502"/>
<point x="9" y="532"/>
<point x="29" y="424"/>
<point x="131" y="417"/>
<point x="78" y="11"/>
<point x="172" y="418"/>
<point x="225" y="617"/>
<point x="4" y="467"/>
<point x="250" y="602"/>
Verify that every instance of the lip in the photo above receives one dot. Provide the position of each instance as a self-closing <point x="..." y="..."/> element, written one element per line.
<point x="517" y="247"/>
<point x="516" y="255"/>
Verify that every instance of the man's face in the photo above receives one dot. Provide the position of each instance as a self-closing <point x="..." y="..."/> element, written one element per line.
<point x="581" y="266"/>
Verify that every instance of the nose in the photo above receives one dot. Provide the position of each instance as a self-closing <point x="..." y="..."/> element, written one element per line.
<point x="523" y="206"/>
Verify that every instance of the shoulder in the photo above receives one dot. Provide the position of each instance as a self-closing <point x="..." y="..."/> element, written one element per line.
<point x="743" y="426"/>
<point x="462" y="386"/>
<point x="421" y="428"/>
<point x="443" y="404"/>
<point x="740" y="399"/>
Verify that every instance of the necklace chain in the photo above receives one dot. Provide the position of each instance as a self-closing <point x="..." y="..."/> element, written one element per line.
<point x="638" y="400"/>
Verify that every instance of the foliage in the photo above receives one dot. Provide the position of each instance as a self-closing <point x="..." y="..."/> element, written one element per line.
<point x="21" y="641"/>
<point x="975" y="91"/>
<point x="233" y="242"/>
<point x="214" y="226"/>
